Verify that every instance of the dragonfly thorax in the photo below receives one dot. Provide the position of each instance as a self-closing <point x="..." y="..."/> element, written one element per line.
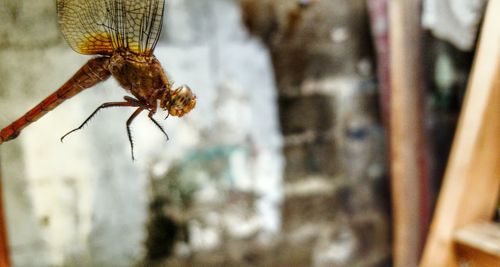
<point x="144" y="77"/>
<point x="140" y="75"/>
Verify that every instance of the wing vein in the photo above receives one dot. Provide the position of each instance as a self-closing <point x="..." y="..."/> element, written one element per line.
<point x="105" y="26"/>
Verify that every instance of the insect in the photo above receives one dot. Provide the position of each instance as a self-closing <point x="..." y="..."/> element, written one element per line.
<point x="123" y="35"/>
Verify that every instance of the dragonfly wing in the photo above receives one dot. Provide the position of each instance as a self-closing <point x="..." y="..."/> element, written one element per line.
<point x="85" y="26"/>
<point x="103" y="26"/>
<point x="141" y="22"/>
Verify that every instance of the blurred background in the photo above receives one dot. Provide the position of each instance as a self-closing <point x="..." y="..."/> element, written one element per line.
<point x="282" y="163"/>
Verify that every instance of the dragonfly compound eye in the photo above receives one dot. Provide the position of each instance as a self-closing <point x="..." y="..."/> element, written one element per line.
<point x="183" y="100"/>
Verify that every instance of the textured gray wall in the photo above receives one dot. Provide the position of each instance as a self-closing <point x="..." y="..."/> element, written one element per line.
<point x="85" y="202"/>
<point x="264" y="172"/>
<point x="335" y="203"/>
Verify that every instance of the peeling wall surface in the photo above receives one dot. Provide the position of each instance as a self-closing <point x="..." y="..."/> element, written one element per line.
<point x="281" y="163"/>
<point x="85" y="202"/>
<point x="335" y="189"/>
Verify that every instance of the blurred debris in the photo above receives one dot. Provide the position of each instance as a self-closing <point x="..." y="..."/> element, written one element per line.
<point x="447" y="75"/>
<point x="334" y="147"/>
<point x="379" y="24"/>
<point x="456" y="21"/>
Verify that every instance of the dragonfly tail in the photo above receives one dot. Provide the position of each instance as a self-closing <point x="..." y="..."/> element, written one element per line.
<point x="93" y="72"/>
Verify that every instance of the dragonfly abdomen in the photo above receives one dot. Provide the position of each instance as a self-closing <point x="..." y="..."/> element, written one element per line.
<point x="93" y="72"/>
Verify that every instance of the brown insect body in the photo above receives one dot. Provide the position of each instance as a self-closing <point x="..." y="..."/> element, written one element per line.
<point x="140" y="75"/>
<point x="144" y="77"/>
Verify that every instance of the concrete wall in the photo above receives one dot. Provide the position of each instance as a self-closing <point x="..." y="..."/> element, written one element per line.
<point x="85" y="202"/>
<point x="335" y="188"/>
<point x="280" y="164"/>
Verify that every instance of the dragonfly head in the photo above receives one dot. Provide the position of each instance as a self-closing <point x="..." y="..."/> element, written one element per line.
<point x="181" y="101"/>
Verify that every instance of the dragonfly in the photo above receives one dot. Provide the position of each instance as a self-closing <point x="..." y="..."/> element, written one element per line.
<point x="121" y="35"/>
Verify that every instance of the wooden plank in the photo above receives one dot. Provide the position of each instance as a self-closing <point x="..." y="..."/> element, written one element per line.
<point x="479" y="245"/>
<point x="407" y="142"/>
<point x="472" y="179"/>
<point x="473" y="257"/>
<point x="4" y="244"/>
<point x="484" y="237"/>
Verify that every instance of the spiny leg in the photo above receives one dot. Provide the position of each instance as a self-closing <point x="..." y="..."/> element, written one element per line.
<point x="129" y="121"/>
<point x="135" y="102"/>
<point x="158" y="125"/>
<point x="103" y="106"/>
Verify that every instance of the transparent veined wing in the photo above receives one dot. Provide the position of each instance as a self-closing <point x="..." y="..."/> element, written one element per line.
<point x="104" y="26"/>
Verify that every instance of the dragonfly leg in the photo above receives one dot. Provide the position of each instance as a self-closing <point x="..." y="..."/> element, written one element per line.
<point x="150" y="115"/>
<point x="134" y="102"/>
<point x="152" y="111"/>
<point x="103" y="106"/>
<point x="129" y="121"/>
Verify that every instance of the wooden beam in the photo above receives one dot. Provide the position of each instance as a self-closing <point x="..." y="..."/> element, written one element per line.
<point x="484" y="237"/>
<point x="472" y="180"/>
<point x="474" y="257"/>
<point x="4" y="244"/>
<point x="479" y="245"/>
<point x="407" y="138"/>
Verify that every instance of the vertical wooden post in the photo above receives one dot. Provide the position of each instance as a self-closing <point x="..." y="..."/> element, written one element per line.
<point x="407" y="136"/>
<point x="4" y="244"/>
<point x="472" y="179"/>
